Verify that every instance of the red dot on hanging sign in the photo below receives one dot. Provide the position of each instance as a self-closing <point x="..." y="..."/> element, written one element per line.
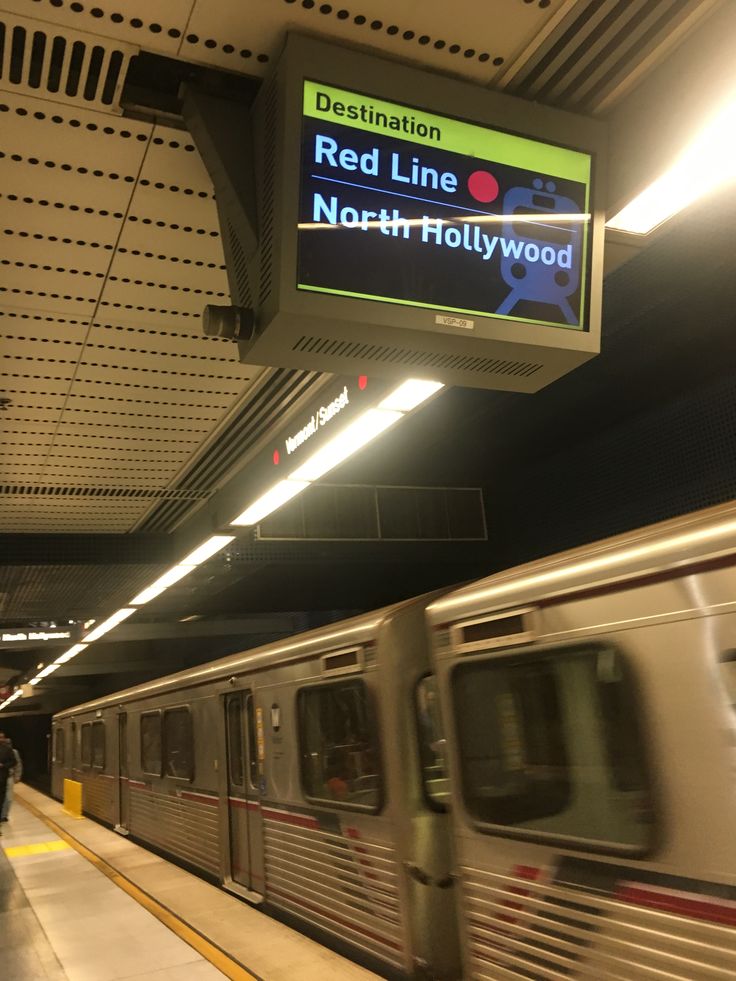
<point x="362" y="382"/>
<point x="483" y="186"/>
<point x="276" y="457"/>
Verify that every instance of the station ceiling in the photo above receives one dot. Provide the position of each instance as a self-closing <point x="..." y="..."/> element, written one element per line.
<point x="122" y="422"/>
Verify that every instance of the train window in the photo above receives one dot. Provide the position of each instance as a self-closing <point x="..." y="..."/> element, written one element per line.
<point x="728" y="674"/>
<point x="178" y="749"/>
<point x="98" y="745"/>
<point x="151" y="743"/>
<point x="235" y="741"/>
<point x="59" y="746"/>
<point x="432" y="742"/>
<point x="86" y="754"/>
<point x="550" y="743"/>
<point x="339" y="745"/>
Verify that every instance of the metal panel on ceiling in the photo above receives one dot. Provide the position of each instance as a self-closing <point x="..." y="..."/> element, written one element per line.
<point x="111" y="383"/>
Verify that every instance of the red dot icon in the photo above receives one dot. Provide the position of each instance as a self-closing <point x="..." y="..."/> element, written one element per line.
<point x="483" y="186"/>
<point x="276" y="457"/>
<point x="362" y="382"/>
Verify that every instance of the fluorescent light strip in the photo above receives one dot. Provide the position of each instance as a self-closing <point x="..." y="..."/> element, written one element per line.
<point x="353" y="437"/>
<point x="48" y="670"/>
<point x="279" y="494"/>
<point x="207" y="549"/>
<point x="200" y="554"/>
<point x="357" y="434"/>
<point x="409" y="395"/>
<point x="163" y="582"/>
<point x="108" y="624"/>
<point x="708" y="162"/>
<point x="72" y="652"/>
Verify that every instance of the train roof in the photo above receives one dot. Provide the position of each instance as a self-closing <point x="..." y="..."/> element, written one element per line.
<point x="356" y="630"/>
<point x="669" y="548"/>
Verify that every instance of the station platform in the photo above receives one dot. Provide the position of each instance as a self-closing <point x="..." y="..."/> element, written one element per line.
<point x="78" y="902"/>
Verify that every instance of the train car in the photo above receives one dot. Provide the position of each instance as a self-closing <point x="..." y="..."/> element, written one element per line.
<point x="589" y="704"/>
<point x="291" y="775"/>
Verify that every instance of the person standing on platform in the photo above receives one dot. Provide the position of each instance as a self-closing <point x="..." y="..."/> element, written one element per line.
<point x="13" y="778"/>
<point x="7" y="765"/>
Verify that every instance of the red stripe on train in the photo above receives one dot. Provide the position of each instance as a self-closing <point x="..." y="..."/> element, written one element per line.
<point x="300" y="820"/>
<point x="251" y="805"/>
<point x="202" y="798"/>
<point x="681" y="904"/>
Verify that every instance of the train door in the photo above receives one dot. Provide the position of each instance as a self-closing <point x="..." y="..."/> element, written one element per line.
<point x="123" y="814"/>
<point x="244" y="813"/>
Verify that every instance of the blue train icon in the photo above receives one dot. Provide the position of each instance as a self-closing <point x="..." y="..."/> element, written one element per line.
<point x="542" y="259"/>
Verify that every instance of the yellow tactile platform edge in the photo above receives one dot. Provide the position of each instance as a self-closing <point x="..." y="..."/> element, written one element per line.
<point x="217" y="957"/>
<point x="17" y="851"/>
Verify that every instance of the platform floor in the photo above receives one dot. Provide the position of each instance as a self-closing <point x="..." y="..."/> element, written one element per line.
<point x="80" y="902"/>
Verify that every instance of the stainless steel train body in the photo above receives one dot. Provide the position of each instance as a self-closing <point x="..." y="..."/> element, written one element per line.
<point x="290" y="774"/>
<point x="590" y="706"/>
<point x="554" y="769"/>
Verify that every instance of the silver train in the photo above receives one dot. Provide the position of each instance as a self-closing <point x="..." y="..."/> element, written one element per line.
<point x="532" y="777"/>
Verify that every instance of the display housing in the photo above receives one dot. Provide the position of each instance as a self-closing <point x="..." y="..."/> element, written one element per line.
<point x="412" y="224"/>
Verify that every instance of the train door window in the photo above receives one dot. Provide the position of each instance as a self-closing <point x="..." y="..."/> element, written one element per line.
<point x="339" y="745"/>
<point x="151" y="743"/>
<point x="728" y="675"/>
<point x="250" y="721"/>
<point x="86" y="744"/>
<point x="550" y="743"/>
<point x="98" y="745"/>
<point x="59" y="746"/>
<point x="235" y="741"/>
<point x="431" y="739"/>
<point x="178" y="749"/>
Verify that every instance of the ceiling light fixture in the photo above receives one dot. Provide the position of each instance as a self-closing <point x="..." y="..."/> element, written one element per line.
<point x="708" y="162"/>
<point x="108" y="624"/>
<point x="68" y="655"/>
<point x="172" y="575"/>
<point x="410" y="394"/>
<point x="277" y="495"/>
<point x="207" y="549"/>
<point x="353" y="437"/>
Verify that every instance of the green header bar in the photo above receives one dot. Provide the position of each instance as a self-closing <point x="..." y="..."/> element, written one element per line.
<point x="427" y="129"/>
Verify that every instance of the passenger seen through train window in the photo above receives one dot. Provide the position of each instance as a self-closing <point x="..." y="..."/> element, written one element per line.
<point x="339" y="753"/>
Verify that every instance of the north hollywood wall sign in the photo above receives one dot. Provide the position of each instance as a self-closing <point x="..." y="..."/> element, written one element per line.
<point x="16" y="636"/>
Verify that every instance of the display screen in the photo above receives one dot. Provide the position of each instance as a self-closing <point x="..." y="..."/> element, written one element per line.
<point x="403" y="206"/>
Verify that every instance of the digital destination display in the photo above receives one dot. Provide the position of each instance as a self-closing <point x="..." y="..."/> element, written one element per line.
<point x="399" y="205"/>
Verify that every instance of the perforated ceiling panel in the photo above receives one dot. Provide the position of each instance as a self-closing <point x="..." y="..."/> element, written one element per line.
<point x="109" y="250"/>
<point x="78" y="591"/>
<point x="244" y="37"/>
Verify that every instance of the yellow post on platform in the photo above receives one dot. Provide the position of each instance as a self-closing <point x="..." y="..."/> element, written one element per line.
<point x="73" y="798"/>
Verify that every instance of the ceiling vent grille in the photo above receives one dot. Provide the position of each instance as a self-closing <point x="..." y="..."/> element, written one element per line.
<point x="45" y="490"/>
<point x="597" y="53"/>
<point x="62" y="64"/>
<point x="350" y="350"/>
<point x="227" y="451"/>
<point x="270" y="106"/>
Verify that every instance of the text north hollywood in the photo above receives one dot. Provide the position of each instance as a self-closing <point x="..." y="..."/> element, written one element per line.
<point x="386" y="217"/>
<point x="438" y="231"/>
